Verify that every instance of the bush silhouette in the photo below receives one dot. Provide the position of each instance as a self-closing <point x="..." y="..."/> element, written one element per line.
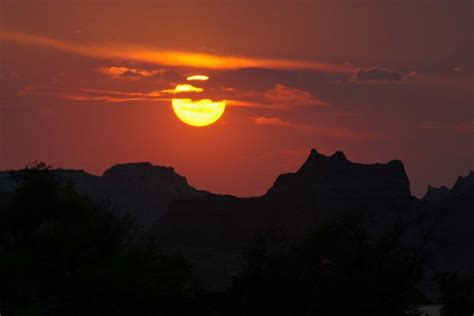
<point x="457" y="293"/>
<point x="339" y="269"/>
<point x="61" y="254"/>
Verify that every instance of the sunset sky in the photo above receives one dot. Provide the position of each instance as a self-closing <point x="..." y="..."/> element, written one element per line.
<point x="88" y="84"/>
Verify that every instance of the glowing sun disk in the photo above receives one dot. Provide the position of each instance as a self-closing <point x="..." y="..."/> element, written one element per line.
<point x="197" y="77"/>
<point x="198" y="113"/>
<point x="186" y="88"/>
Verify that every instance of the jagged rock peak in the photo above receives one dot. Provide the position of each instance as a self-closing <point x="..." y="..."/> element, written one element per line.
<point x="336" y="173"/>
<point x="338" y="160"/>
<point x="314" y="154"/>
<point x="463" y="186"/>
<point x="320" y="163"/>
<point x="437" y="194"/>
<point x="339" y="155"/>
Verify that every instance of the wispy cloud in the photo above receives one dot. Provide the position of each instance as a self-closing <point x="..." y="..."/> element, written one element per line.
<point x="288" y="97"/>
<point x="466" y="127"/>
<point x="459" y="127"/>
<point x="334" y="132"/>
<point x="170" y="57"/>
<point x="181" y="88"/>
<point x="275" y="121"/>
<point x="121" y="72"/>
<point x="382" y="76"/>
<point x="108" y="96"/>
<point x="280" y="97"/>
<point x="247" y="104"/>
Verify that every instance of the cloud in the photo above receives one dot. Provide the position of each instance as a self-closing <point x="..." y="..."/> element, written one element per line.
<point x="377" y="74"/>
<point x="247" y="104"/>
<point x="170" y="57"/>
<point x="380" y="75"/>
<point x="9" y="75"/>
<point x="459" y="127"/>
<point x="181" y="88"/>
<point x="333" y="132"/>
<point x="432" y="125"/>
<point x="466" y="127"/>
<point x="109" y="96"/>
<point x="285" y="96"/>
<point x="272" y="121"/>
<point x="121" y="72"/>
<point x="279" y="97"/>
<point x="82" y="94"/>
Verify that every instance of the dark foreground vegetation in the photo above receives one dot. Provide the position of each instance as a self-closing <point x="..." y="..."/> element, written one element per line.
<point x="61" y="254"/>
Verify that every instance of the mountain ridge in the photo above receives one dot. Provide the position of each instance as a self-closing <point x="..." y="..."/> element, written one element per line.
<point x="462" y="186"/>
<point x="139" y="189"/>
<point x="213" y="229"/>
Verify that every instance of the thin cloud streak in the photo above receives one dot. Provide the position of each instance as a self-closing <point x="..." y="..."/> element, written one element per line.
<point x="326" y="131"/>
<point x="380" y="76"/>
<point x="460" y="127"/>
<point x="285" y="96"/>
<point x="248" y="104"/>
<point x="121" y="72"/>
<point x="280" y="97"/>
<point x="170" y="57"/>
<point x="83" y="94"/>
<point x="114" y="96"/>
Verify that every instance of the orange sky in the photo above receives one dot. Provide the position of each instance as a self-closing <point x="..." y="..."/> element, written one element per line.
<point x="86" y="85"/>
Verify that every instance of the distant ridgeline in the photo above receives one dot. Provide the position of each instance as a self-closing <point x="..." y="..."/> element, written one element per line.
<point x="140" y="189"/>
<point x="211" y="230"/>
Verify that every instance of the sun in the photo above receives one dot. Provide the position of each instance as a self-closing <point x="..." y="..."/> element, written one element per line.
<point x="198" y="113"/>
<point x="201" y="112"/>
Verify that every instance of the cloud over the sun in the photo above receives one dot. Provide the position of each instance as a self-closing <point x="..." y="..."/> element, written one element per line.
<point x="107" y="96"/>
<point x="280" y="97"/>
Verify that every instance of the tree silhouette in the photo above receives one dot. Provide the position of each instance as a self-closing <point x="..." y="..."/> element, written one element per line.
<point x="61" y="254"/>
<point x="339" y="269"/>
<point x="457" y="293"/>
